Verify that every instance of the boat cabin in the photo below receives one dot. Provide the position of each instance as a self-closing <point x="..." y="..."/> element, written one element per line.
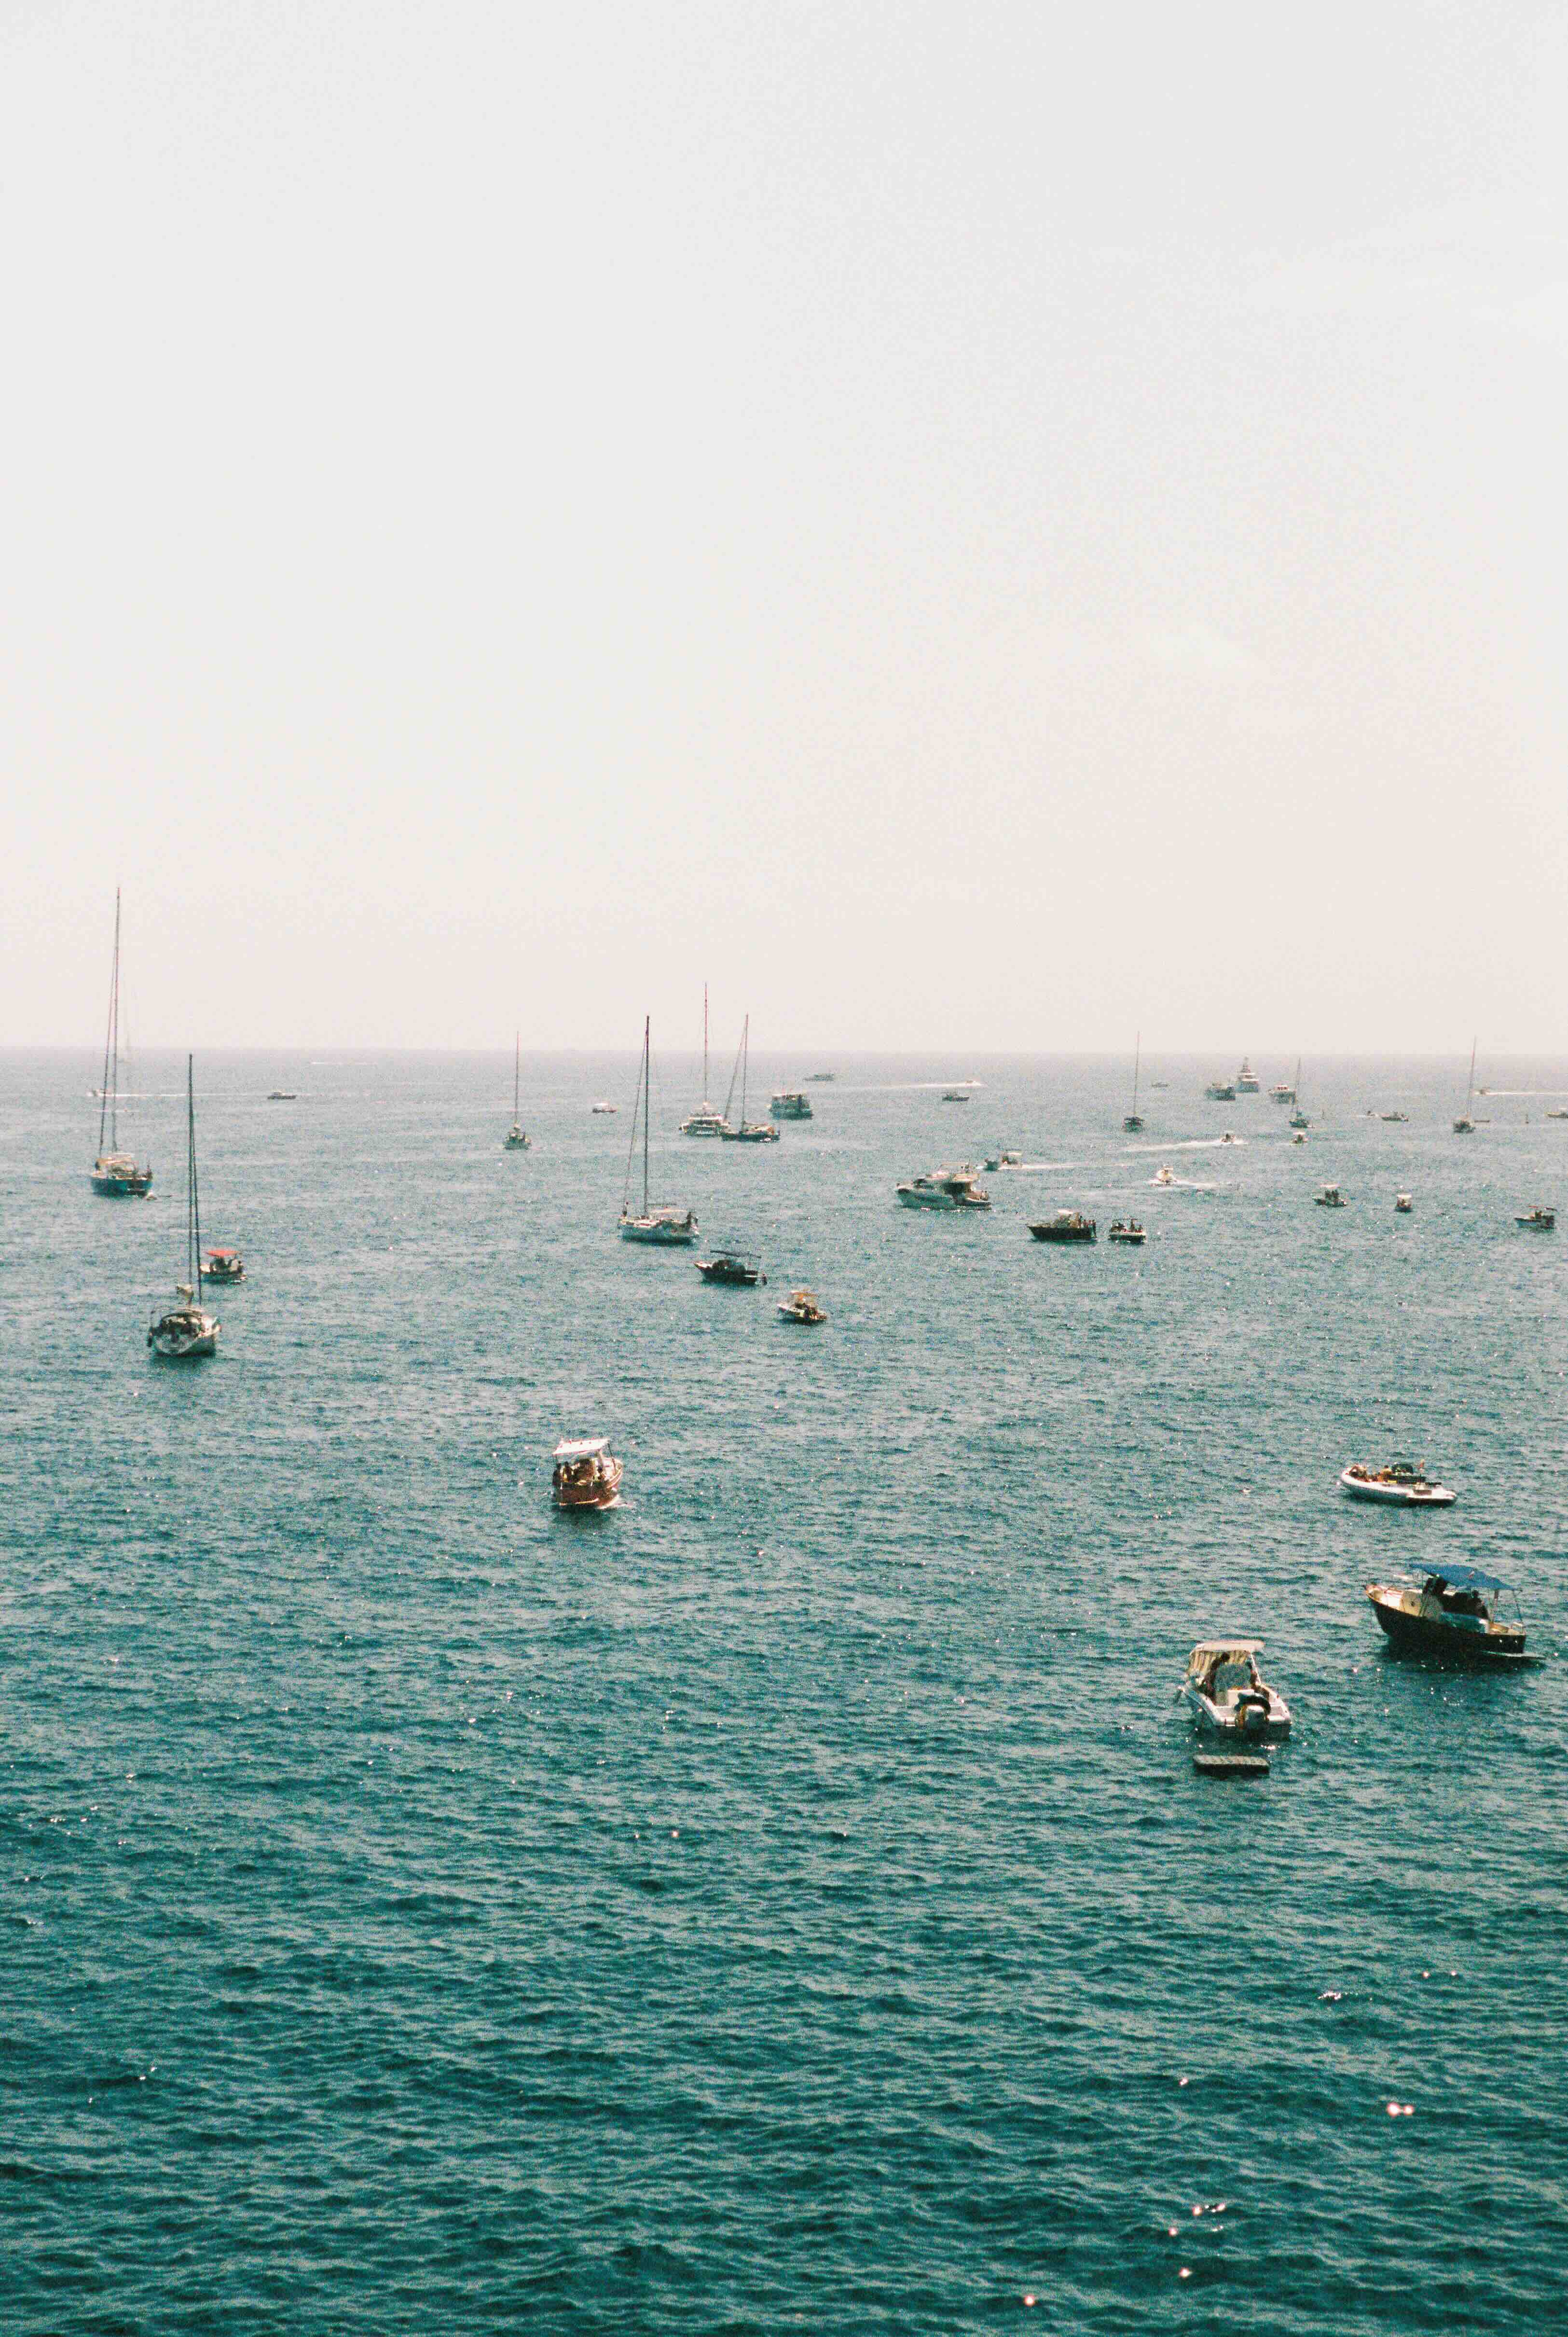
<point x="586" y="1475"/>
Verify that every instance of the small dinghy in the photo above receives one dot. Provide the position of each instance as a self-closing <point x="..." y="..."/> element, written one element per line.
<point x="1399" y="1481"/>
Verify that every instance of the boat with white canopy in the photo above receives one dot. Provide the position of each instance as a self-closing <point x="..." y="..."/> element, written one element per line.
<point x="1228" y="1695"/>
<point x="586" y="1475"/>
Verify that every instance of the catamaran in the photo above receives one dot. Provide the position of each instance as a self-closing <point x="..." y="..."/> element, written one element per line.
<point x="704" y="1121"/>
<point x="516" y="1140"/>
<point x="186" y="1330"/>
<point x="115" y="1173"/>
<point x="750" y="1131"/>
<point x="665" y="1224"/>
<point x="1132" y="1122"/>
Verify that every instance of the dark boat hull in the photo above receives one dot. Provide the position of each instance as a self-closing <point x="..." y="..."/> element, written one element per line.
<point x="1419" y="1635"/>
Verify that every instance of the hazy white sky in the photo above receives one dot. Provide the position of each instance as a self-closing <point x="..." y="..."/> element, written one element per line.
<point x="984" y="526"/>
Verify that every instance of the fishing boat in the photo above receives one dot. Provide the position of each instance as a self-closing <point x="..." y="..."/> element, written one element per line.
<point x="1221" y="1091"/>
<point x="586" y="1475"/>
<point x="925" y="1193"/>
<point x="516" y="1140"/>
<point x="750" y="1131"/>
<point x="1133" y="1123"/>
<point x="225" y="1266"/>
<point x="1538" y="1220"/>
<point x="1067" y="1225"/>
<point x="1403" y="1205"/>
<point x="665" y="1226"/>
<point x="1465" y="1125"/>
<point x="1246" y="1078"/>
<point x="1228" y="1697"/>
<point x="1328" y="1197"/>
<point x="740" y="1269"/>
<point x="185" y="1332"/>
<point x="1397" y="1483"/>
<point x="789" y="1103"/>
<point x="1126" y="1230"/>
<point x="115" y="1174"/>
<point x="1452" y="1612"/>
<point x="704" y="1121"/>
<point x="802" y="1306"/>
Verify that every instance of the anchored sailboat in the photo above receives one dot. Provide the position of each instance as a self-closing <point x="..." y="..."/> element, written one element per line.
<point x="665" y="1223"/>
<point x="750" y="1131"/>
<point x="187" y="1330"/>
<point x="115" y="1173"/>
<point x="1298" y="1119"/>
<point x="704" y="1121"/>
<point x="516" y="1141"/>
<point x="1132" y="1122"/>
<point x="1465" y="1125"/>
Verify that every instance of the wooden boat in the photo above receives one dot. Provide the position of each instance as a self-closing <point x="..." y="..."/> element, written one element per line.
<point x="115" y="1174"/>
<point x="1067" y="1225"/>
<point x="516" y="1140"/>
<point x="185" y="1332"/>
<point x="665" y="1226"/>
<point x="801" y="1306"/>
<point x="586" y="1474"/>
<point x="1452" y="1614"/>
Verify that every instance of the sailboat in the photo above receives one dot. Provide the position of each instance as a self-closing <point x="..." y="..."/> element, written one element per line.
<point x="187" y="1330"/>
<point x="1298" y="1119"/>
<point x="750" y="1131"/>
<point x="1465" y="1125"/>
<point x="665" y="1223"/>
<point x="1132" y="1122"/>
<point x="115" y="1173"/>
<point x="704" y="1121"/>
<point x="516" y="1141"/>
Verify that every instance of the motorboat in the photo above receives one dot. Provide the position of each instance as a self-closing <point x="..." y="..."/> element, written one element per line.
<point x="1299" y="1136"/>
<point x="185" y="1332"/>
<point x="517" y="1139"/>
<point x="1246" y="1078"/>
<point x="1539" y="1220"/>
<point x="1129" y="1231"/>
<point x="964" y="1185"/>
<point x="1558" y="1114"/>
<point x="1400" y="1483"/>
<point x="1298" y="1120"/>
<point x="955" y="1095"/>
<point x="1330" y="1197"/>
<point x="1221" y="1091"/>
<point x="662" y="1226"/>
<point x="704" y="1121"/>
<point x="115" y="1174"/>
<point x="586" y="1474"/>
<point x="283" y="1095"/>
<point x="802" y="1306"/>
<point x="789" y="1103"/>
<point x="926" y="1193"/>
<point x="603" y="1110"/>
<point x="820" y="1078"/>
<point x="1403" y="1205"/>
<point x="1228" y="1697"/>
<point x="1395" y="1119"/>
<point x="740" y="1269"/>
<point x="750" y="1131"/>
<point x="1005" y="1161"/>
<point x="1164" y="1176"/>
<point x="224" y="1265"/>
<point x="1067" y="1225"/>
<point x="1452" y="1612"/>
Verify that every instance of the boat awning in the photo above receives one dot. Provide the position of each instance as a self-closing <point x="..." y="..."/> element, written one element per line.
<point x="580" y="1448"/>
<point x="1461" y="1578"/>
<point x="1223" y="1651"/>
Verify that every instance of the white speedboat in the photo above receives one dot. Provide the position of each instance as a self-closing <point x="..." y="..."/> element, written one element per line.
<point x="1398" y="1482"/>
<point x="926" y="1193"/>
<point x="804" y="1306"/>
<point x="1228" y="1696"/>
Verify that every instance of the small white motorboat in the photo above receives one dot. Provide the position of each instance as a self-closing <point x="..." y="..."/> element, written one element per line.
<point x="1228" y="1695"/>
<point x="926" y="1193"/>
<point x="1403" y="1205"/>
<point x="601" y="1107"/>
<point x="1401" y="1483"/>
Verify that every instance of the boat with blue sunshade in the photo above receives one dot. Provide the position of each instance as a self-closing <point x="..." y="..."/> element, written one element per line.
<point x="1451" y="1612"/>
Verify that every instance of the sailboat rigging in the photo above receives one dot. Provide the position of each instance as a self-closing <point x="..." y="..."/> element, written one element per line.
<point x="1298" y="1117"/>
<point x="762" y="1131"/>
<point x="1465" y="1125"/>
<point x="704" y="1121"/>
<point x="665" y="1224"/>
<point x="186" y="1330"/>
<point x="1132" y="1122"/>
<point x="115" y="1173"/>
<point x="516" y="1140"/>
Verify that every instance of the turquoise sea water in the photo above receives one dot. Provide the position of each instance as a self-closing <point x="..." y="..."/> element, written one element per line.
<point x="785" y="1902"/>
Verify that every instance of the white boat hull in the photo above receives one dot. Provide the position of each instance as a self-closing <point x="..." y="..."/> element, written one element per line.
<point x="663" y="1232"/>
<point x="1400" y="1497"/>
<point x="179" y="1345"/>
<point x="909" y="1198"/>
<point x="1244" y="1716"/>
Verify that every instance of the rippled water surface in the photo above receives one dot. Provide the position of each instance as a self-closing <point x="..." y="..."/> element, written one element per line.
<point x="785" y="1902"/>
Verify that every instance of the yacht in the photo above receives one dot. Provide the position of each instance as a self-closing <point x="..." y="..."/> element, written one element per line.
<point x="1282" y="1093"/>
<point x="115" y="1174"/>
<point x="1246" y="1078"/>
<point x="1220" y="1092"/>
<point x="586" y="1475"/>
<point x="925" y="1193"/>
<point x="1133" y="1123"/>
<point x="663" y="1226"/>
<point x="1539" y="1220"/>
<point x="740" y="1269"/>
<point x="516" y="1140"/>
<point x="802" y="1306"/>
<point x="1452" y="1612"/>
<point x="1403" y="1205"/>
<point x="1129" y="1231"/>
<point x="1399" y="1483"/>
<point x="1067" y="1225"/>
<point x="1465" y="1125"/>
<point x="225" y="1266"/>
<point x="789" y="1103"/>
<point x="1227" y="1693"/>
<point x="185" y="1332"/>
<point x="1330" y="1197"/>
<point x="750" y="1131"/>
<point x="704" y="1121"/>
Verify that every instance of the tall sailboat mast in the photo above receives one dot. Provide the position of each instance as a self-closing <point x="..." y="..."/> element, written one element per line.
<point x="705" y="1045"/>
<point x="1137" y="1052"/>
<point x="647" y="1091"/>
<point x="1470" y="1085"/>
<point x="193" y="1198"/>
<point x="107" y="1094"/>
<point x="516" y="1076"/>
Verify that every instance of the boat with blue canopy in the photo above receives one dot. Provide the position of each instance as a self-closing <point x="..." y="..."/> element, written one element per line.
<point x="1452" y="1611"/>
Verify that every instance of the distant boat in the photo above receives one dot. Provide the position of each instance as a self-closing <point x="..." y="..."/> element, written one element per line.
<point x="586" y="1475"/>
<point x="750" y="1131"/>
<point x="790" y="1104"/>
<point x="820" y="1078"/>
<point x="1330" y="1197"/>
<point x="1067" y="1225"/>
<point x="115" y="1173"/>
<point x="1132" y="1124"/>
<point x="1465" y="1125"/>
<point x="1403" y="1205"/>
<point x="666" y="1226"/>
<point x="1127" y="1230"/>
<point x="1398" y="1484"/>
<point x="925" y="1193"/>
<point x="282" y="1095"/>
<point x="704" y="1121"/>
<point x="741" y="1270"/>
<point x="1396" y="1118"/>
<point x="955" y="1095"/>
<point x="1220" y="1092"/>
<point x="601" y="1107"/>
<point x="516" y="1140"/>
<point x="224" y="1265"/>
<point x="1246" y="1078"/>
<point x="801" y="1306"/>
<point x="185" y="1332"/>
<point x="1539" y="1220"/>
<point x="1298" y="1119"/>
